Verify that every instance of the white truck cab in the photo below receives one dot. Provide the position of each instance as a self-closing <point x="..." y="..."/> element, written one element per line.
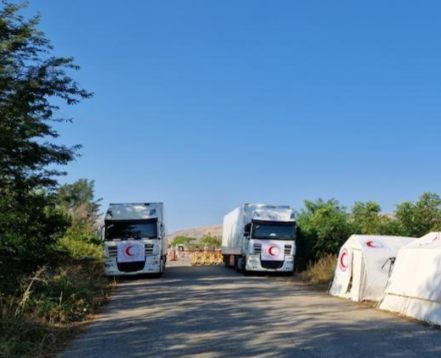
<point x="135" y="239"/>
<point x="259" y="237"/>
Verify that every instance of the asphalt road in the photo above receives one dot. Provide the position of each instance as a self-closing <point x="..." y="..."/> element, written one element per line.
<point x="211" y="312"/>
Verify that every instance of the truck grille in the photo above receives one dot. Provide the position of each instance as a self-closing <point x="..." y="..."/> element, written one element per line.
<point x="272" y="265"/>
<point x="257" y="248"/>
<point x="288" y="249"/>
<point x="113" y="251"/>
<point x="131" y="266"/>
<point x="149" y="249"/>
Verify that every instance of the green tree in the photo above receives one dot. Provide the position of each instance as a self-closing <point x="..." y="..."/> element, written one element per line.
<point x="183" y="240"/>
<point x="28" y="233"/>
<point x="332" y="227"/>
<point x="78" y="202"/>
<point x="211" y="241"/>
<point x="32" y="80"/>
<point x="422" y="217"/>
<point x="366" y="218"/>
<point x="323" y="226"/>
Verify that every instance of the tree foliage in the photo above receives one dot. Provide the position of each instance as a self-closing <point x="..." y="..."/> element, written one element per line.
<point x="77" y="201"/>
<point x="211" y="241"/>
<point x="323" y="226"/>
<point x="183" y="240"/>
<point x="367" y="219"/>
<point x="422" y="217"/>
<point x="32" y="80"/>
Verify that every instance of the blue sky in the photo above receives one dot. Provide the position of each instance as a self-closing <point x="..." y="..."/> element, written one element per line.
<point x="208" y="104"/>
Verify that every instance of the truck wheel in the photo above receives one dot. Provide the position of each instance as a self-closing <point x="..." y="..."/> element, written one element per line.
<point x="163" y="265"/>
<point x="244" y="269"/>
<point x="161" y="269"/>
<point x="238" y="264"/>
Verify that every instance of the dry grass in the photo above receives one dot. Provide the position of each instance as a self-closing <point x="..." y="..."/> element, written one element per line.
<point x="46" y="314"/>
<point x="321" y="272"/>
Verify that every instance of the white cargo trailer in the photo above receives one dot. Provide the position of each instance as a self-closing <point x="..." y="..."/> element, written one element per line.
<point x="258" y="237"/>
<point x="135" y="239"/>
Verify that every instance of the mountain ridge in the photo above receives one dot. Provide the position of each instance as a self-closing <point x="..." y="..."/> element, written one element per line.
<point x="197" y="232"/>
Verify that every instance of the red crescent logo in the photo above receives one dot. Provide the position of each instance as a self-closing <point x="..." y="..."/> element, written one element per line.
<point x="273" y="251"/>
<point x="343" y="260"/>
<point x="374" y="244"/>
<point x="127" y="251"/>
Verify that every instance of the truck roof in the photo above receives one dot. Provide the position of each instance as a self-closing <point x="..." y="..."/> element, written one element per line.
<point x="134" y="211"/>
<point x="269" y="212"/>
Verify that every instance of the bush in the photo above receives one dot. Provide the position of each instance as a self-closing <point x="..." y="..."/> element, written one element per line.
<point x="34" y="322"/>
<point x="81" y="249"/>
<point x="29" y="232"/>
<point x="422" y="217"/>
<point x="183" y="240"/>
<point x="211" y="241"/>
<point x="321" y="272"/>
<point x="323" y="226"/>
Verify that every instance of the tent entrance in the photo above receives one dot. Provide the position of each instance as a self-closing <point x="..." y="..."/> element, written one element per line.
<point x="358" y="275"/>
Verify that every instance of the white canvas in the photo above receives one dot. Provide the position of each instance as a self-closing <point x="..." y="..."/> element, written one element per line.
<point x="343" y="272"/>
<point x="414" y="288"/>
<point x="363" y="266"/>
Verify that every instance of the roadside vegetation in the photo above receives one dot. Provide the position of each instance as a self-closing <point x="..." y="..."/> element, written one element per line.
<point x="192" y="243"/>
<point x="320" y="272"/>
<point x="324" y="226"/>
<point x="50" y="258"/>
<point x="51" y="272"/>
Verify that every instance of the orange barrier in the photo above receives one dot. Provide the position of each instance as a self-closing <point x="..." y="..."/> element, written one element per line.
<point x="207" y="258"/>
<point x="172" y="255"/>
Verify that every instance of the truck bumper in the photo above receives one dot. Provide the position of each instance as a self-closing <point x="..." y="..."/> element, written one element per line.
<point x="253" y="263"/>
<point x="152" y="264"/>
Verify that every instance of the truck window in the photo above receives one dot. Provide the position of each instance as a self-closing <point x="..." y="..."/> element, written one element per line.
<point x="131" y="229"/>
<point x="273" y="230"/>
<point x="247" y="229"/>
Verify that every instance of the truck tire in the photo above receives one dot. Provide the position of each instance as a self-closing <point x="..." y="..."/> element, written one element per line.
<point x="225" y="260"/>
<point x="238" y="266"/>
<point x="161" y="268"/>
<point x="244" y="266"/>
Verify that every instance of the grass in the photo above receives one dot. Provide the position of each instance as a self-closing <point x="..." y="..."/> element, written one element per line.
<point x="47" y="309"/>
<point x="321" y="272"/>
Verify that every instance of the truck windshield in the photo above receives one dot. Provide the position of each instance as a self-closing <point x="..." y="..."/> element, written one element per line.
<point x="273" y="230"/>
<point x="131" y="229"/>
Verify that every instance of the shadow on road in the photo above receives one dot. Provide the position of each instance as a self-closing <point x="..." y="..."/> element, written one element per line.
<point x="214" y="312"/>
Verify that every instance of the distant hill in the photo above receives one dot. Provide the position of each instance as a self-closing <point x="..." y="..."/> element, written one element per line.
<point x="198" y="232"/>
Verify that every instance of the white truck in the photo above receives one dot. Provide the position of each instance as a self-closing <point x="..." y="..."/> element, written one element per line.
<point x="134" y="238"/>
<point x="258" y="237"/>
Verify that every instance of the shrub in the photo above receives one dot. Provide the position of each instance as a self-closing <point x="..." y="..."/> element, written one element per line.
<point x="323" y="226"/>
<point x="32" y="323"/>
<point x="320" y="272"/>
<point x="422" y="217"/>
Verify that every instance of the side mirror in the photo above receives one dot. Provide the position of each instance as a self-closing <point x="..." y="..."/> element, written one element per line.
<point x="161" y="231"/>
<point x="247" y="231"/>
<point x="102" y="233"/>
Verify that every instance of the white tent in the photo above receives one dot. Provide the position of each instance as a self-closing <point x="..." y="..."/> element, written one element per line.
<point x="364" y="265"/>
<point x="414" y="289"/>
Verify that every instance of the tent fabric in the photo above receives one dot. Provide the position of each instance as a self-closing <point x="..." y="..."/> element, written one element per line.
<point x="414" y="289"/>
<point x="363" y="266"/>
